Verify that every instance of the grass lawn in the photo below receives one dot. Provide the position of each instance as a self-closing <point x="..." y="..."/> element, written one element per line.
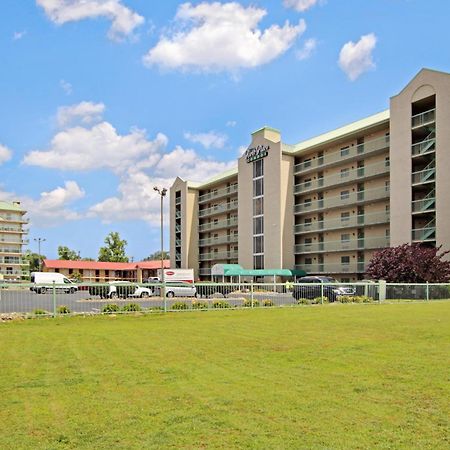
<point x="326" y="377"/>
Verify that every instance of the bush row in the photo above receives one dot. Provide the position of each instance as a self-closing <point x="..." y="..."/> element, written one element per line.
<point x="339" y="299"/>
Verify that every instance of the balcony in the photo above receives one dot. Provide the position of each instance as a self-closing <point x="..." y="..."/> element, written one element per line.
<point x="342" y="246"/>
<point x="10" y="250"/>
<point x="177" y="214"/>
<point x="360" y="173"/>
<point x="427" y="175"/>
<point x="13" y="230"/>
<point x="424" y="147"/>
<point x="350" y="222"/>
<point x="422" y="119"/>
<point x="218" y="209"/>
<point x="10" y="240"/>
<point x="218" y="193"/>
<point x="230" y="238"/>
<point x="369" y="195"/>
<point x="332" y="268"/>
<point x="360" y="151"/>
<point x="213" y="256"/>
<point x="14" y="273"/>
<point x="228" y="223"/>
<point x="427" y="233"/>
<point x="425" y="205"/>
<point x="13" y="261"/>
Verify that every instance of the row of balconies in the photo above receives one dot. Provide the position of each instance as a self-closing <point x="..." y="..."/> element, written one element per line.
<point x="230" y="238"/>
<point x="335" y="158"/>
<point x="218" y="256"/>
<point x="13" y="230"/>
<point x="9" y="239"/>
<point x="340" y="246"/>
<point x="347" y="222"/>
<point x="331" y="268"/>
<point x="338" y="201"/>
<point x="228" y="223"/>
<point x="218" y="209"/>
<point x="14" y="272"/>
<point x="11" y="250"/>
<point x="218" y="193"/>
<point x="352" y="175"/>
<point x="14" y="219"/>
<point x="13" y="261"/>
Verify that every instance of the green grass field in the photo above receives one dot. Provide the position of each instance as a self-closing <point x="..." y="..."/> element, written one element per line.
<point x="325" y="377"/>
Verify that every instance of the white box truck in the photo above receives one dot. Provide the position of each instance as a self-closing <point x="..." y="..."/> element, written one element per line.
<point x="44" y="281"/>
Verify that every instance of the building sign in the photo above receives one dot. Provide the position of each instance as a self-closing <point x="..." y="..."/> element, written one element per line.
<point x="255" y="153"/>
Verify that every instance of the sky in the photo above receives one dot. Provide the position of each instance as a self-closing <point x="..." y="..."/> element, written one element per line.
<point x="101" y="100"/>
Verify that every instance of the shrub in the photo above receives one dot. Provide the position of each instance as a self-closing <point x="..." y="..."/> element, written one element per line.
<point x="248" y="303"/>
<point x="40" y="312"/>
<point x="267" y="302"/>
<point x="63" y="310"/>
<point x="320" y="300"/>
<point x="304" y="301"/>
<point x="199" y="305"/>
<point x="179" y="305"/>
<point x="110" y="308"/>
<point x="130" y="307"/>
<point x="221" y="304"/>
<point x="100" y="290"/>
<point x="345" y="298"/>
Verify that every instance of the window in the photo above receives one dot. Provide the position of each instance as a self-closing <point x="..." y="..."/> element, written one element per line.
<point x="345" y="260"/>
<point x="345" y="216"/>
<point x="258" y="169"/>
<point x="345" y="151"/>
<point x="345" y="195"/>
<point x="307" y="202"/>
<point x="258" y="225"/>
<point x="258" y="206"/>
<point x="387" y="161"/>
<point x="258" y="244"/>
<point x="307" y="183"/>
<point x="258" y="187"/>
<point x="258" y="261"/>
<point x="308" y="261"/>
<point x="307" y="163"/>
<point x="308" y="222"/>
<point x="308" y="242"/>
<point x="386" y="186"/>
<point x="345" y="237"/>
<point x="345" y="172"/>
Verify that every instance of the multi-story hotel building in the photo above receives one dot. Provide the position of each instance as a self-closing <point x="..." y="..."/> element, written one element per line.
<point x="13" y="267"/>
<point x="327" y="204"/>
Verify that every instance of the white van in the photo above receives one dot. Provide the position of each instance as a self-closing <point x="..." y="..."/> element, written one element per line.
<point x="44" y="281"/>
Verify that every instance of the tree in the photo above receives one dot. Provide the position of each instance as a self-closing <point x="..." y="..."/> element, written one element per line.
<point x="34" y="260"/>
<point x="114" y="251"/>
<point x="409" y="263"/>
<point x="67" y="254"/>
<point x="157" y="256"/>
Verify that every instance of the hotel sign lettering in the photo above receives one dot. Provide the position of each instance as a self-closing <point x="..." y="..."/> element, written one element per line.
<point x="255" y="153"/>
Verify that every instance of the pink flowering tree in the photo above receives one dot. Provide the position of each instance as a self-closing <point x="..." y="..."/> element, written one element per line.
<point x="409" y="263"/>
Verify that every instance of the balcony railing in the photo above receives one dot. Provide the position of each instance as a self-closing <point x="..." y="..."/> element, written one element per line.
<point x="424" y="205"/>
<point x="13" y="261"/>
<point x="228" y="223"/>
<point x="10" y="240"/>
<point x="340" y="246"/>
<point x="218" y="194"/>
<point x="14" y="273"/>
<point x="10" y="250"/>
<point x="218" y="240"/>
<point x="424" y="147"/>
<point x="339" y="201"/>
<point x="424" y="176"/>
<point x="366" y="172"/>
<point x="13" y="230"/>
<point x="177" y="214"/>
<point x="424" y="234"/>
<point x="348" y="222"/>
<point x="424" y="118"/>
<point x="331" y="268"/>
<point x="218" y="256"/>
<point x="334" y="158"/>
<point x="218" y="209"/>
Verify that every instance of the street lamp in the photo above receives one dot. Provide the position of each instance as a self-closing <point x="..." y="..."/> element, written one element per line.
<point x="162" y="193"/>
<point x="39" y="240"/>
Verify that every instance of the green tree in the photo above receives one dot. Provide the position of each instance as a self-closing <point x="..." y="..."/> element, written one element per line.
<point x="114" y="251"/>
<point x="67" y="254"/>
<point x="34" y="260"/>
<point x="157" y="256"/>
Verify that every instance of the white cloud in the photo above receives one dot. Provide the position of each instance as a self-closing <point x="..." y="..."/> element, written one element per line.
<point x="124" y="20"/>
<point x="5" y="154"/>
<point x="213" y="37"/>
<point x="209" y="140"/>
<point x="66" y="87"/>
<point x="356" y="58"/>
<point x="300" y="5"/>
<point x="84" y="112"/>
<point x="307" y="50"/>
<point x="231" y="123"/>
<point x="19" y="35"/>
<point x="99" y="147"/>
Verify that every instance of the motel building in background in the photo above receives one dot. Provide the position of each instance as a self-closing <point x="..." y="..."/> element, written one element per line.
<point x="325" y="205"/>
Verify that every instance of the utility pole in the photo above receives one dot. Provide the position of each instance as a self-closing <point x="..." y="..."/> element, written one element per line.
<point x="39" y="240"/>
<point x="162" y="193"/>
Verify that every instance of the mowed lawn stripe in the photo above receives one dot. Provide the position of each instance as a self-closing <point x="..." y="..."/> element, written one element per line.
<point x="337" y="376"/>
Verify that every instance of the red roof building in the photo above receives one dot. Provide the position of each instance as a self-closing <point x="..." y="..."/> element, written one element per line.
<point x="101" y="272"/>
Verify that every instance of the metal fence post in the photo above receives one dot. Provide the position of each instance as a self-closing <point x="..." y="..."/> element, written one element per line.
<point x="54" y="300"/>
<point x="163" y="293"/>
<point x="428" y="291"/>
<point x="251" y="292"/>
<point x="321" y="292"/>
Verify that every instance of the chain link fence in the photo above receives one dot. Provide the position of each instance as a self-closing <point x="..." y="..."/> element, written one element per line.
<point x="124" y="297"/>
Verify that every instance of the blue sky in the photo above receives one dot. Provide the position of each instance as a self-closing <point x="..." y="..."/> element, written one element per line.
<point x="103" y="99"/>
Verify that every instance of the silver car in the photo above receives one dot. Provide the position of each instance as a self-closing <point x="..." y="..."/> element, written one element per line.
<point x="180" y="289"/>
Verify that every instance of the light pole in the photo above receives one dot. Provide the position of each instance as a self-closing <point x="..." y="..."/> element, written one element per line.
<point x="162" y="193"/>
<point x="39" y="240"/>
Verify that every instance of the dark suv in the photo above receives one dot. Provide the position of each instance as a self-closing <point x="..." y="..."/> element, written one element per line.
<point x="313" y="287"/>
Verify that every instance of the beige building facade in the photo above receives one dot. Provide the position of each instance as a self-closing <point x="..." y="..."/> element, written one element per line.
<point x="327" y="204"/>
<point x="13" y="266"/>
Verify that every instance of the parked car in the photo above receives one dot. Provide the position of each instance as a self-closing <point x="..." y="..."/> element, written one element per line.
<point x="122" y="289"/>
<point x="178" y="289"/>
<point x="312" y="287"/>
